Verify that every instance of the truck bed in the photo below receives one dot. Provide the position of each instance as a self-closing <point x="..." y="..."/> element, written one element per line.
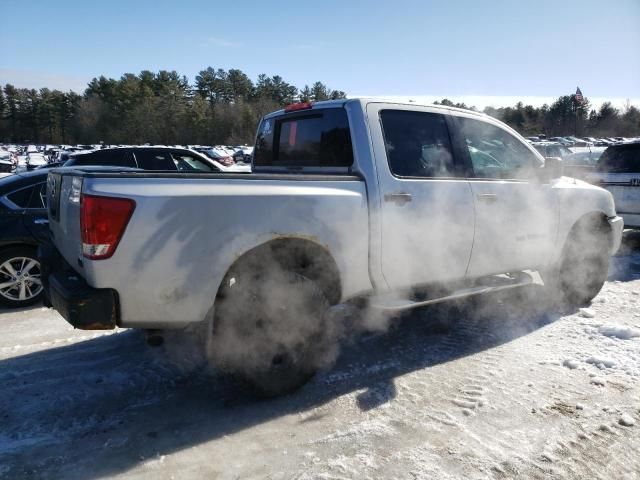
<point x="188" y="229"/>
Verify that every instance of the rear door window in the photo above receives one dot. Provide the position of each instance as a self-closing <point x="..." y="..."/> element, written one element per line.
<point x="32" y="197"/>
<point x="316" y="138"/>
<point x="21" y="197"/>
<point x="155" y="160"/>
<point x="112" y="157"/>
<point x="39" y="196"/>
<point x="417" y="144"/>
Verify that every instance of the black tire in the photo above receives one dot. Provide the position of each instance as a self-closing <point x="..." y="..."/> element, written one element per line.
<point x="270" y="329"/>
<point x="583" y="266"/>
<point x="10" y="259"/>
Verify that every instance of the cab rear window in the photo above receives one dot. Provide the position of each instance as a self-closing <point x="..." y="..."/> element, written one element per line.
<point x="317" y="138"/>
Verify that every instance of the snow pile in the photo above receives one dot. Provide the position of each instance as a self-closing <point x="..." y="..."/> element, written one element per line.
<point x="619" y="331"/>
<point x="601" y="362"/>
<point x="626" y="420"/>
<point x="587" y="313"/>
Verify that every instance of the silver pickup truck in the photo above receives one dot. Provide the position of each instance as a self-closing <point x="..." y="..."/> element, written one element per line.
<point x="361" y="202"/>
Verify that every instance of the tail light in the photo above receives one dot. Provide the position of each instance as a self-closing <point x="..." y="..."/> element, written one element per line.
<point x="103" y="221"/>
<point x="294" y="107"/>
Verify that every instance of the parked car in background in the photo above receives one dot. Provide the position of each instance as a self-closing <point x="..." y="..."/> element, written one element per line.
<point x="618" y="170"/>
<point x="23" y="225"/>
<point x="65" y="155"/>
<point x="146" y="158"/>
<point x="577" y="161"/>
<point x="224" y="159"/>
<point x="35" y="160"/>
<point x="6" y="162"/>
<point x="579" y="142"/>
<point x="582" y="163"/>
<point x="243" y="154"/>
<point x="562" y="140"/>
<point x="552" y="149"/>
<point x="220" y="155"/>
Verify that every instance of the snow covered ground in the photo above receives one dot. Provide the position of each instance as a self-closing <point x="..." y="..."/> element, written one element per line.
<point x="509" y="390"/>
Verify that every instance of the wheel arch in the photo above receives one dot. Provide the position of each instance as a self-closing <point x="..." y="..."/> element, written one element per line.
<point x="590" y="221"/>
<point x="292" y="253"/>
<point x="16" y="244"/>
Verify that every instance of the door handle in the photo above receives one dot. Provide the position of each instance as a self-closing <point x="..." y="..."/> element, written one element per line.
<point x="400" y="198"/>
<point x="487" y="197"/>
<point x="41" y="221"/>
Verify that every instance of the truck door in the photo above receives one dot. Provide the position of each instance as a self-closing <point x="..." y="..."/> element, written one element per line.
<point x="516" y="212"/>
<point x="426" y="206"/>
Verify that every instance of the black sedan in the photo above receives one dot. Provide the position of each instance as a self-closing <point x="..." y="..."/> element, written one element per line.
<point x="23" y="225"/>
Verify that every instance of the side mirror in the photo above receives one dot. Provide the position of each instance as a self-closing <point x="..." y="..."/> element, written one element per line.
<point x="553" y="167"/>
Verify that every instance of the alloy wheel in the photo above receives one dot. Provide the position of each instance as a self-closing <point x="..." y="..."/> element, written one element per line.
<point x="20" y="279"/>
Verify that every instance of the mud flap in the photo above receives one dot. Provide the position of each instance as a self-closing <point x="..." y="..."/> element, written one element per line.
<point x="82" y="306"/>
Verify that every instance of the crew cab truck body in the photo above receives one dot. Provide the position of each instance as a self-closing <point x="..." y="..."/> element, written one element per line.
<point x="398" y="204"/>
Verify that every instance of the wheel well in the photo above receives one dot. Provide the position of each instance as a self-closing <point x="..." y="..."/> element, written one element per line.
<point x="6" y="246"/>
<point x="590" y="223"/>
<point x="302" y="256"/>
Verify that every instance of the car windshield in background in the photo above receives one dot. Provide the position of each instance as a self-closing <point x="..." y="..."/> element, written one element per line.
<point x="189" y="162"/>
<point x="314" y="138"/>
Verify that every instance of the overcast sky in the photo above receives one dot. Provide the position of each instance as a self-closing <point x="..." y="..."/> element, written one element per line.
<point x="481" y="52"/>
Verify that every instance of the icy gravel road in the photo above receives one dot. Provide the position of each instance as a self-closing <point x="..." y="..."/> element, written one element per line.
<point x="509" y="390"/>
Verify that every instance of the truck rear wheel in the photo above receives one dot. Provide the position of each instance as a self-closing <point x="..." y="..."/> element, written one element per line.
<point x="269" y="329"/>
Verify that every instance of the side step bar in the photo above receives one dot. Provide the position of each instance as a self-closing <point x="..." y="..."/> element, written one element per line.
<point x="394" y="301"/>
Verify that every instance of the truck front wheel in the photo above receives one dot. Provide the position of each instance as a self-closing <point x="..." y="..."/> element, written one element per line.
<point x="269" y="329"/>
<point x="583" y="267"/>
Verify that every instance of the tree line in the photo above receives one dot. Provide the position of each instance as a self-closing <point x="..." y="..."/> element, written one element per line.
<point x="566" y="116"/>
<point x="219" y="107"/>
<point x="224" y="107"/>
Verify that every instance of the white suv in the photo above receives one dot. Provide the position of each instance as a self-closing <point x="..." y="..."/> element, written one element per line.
<point x="618" y="170"/>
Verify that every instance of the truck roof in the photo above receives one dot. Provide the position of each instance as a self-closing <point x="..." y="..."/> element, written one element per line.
<point x="389" y="100"/>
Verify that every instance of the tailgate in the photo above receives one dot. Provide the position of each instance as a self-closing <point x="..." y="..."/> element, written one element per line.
<point x="63" y="204"/>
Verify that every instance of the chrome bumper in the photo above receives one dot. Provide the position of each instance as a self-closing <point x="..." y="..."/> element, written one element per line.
<point x="617" y="225"/>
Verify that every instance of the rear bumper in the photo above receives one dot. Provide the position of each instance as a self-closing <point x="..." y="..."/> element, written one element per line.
<point x="81" y="305"/>
<point x="617" y="225"/>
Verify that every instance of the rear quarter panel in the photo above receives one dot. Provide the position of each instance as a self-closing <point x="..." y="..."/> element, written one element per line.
<point x="186" y="233"/>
